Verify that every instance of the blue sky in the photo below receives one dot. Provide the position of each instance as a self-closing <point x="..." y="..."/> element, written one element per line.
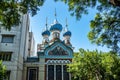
<point x="79" y="28"/>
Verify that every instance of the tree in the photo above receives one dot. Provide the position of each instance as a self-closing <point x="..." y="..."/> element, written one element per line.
<point x="80" y="7"/>
<point x="105" y="30"/>
<point x="105" y="27"/>
<point x="94" y="65"/>
<point x="11" y="10"/>
<point x="2" y="71"/>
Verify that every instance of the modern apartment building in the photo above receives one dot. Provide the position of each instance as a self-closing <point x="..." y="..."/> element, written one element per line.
<point x="14" y="48"/>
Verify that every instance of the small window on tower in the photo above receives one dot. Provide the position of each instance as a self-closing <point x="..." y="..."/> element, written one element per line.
<point x="7" y="38"/>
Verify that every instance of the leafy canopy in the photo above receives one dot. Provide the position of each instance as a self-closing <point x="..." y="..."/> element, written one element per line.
<point x="11" y="11"/>
<point x="105" y="26"/>
<point x="105" y="30"/>
<point x="94" y="65"/>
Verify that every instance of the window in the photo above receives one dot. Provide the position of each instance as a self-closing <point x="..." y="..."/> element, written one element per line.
<point x="7" y="75"/>
<point x="32" y="74"/>
<point x="58" y="72"/>
<point x="5" y="56"/>
<point x="7" y="38"/>
<point x="65" y="73"/>
<point x="50" y="72"/>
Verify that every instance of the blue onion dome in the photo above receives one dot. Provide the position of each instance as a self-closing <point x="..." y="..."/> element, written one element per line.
<point x="67" y="33"/>
<point x="56" y="26"/>
<point x="46" y="32"/>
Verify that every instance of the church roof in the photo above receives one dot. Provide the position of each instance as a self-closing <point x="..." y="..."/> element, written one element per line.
<point x="46" y="32"/>
<point x="32" y="59"/>
<point x="59" y="42"/>
<point x="56" y="26"/>
<point x="67" y="33"/>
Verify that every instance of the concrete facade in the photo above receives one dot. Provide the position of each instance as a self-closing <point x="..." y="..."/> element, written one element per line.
<point x="18" y="48"/>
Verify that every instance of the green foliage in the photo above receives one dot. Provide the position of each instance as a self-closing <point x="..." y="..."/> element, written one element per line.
<point x="10" y="11"/>
<point x="2" y="71"/>
<point x="94" y="65"/>
<point x="106" y="31"/>
<point x="105" y="26"/>
<point x="80" y="7"/>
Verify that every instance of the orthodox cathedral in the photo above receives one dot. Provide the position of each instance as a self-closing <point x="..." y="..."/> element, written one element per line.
<point x="16" y="49"/>
<point x="52" y="55"/>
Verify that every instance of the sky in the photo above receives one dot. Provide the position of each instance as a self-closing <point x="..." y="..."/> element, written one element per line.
<point x="79" y="28"/>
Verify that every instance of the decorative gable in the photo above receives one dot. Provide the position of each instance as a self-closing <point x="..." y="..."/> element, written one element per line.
<point x="58" y="50"/>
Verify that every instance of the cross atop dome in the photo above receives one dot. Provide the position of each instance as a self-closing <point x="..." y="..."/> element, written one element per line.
<point x="46" y="31"/>
<point x="55" y="14"/>
<point x="66" y="32"/>
<point x="66" y="24"/>
<point x="55" y="21"/>
<point x="46" y="24"/>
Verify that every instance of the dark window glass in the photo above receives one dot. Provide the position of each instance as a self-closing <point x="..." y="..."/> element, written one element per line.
<point x="7" y="38"/>
<point x="32" y="74"/>
<point x="58" y="72"/>
<point x="5" y="56"/>
<point x="0" y="57"/>
<point x="50" y="72"/>
<point x="65" y="73"/>
<point x="7" y="76"/>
